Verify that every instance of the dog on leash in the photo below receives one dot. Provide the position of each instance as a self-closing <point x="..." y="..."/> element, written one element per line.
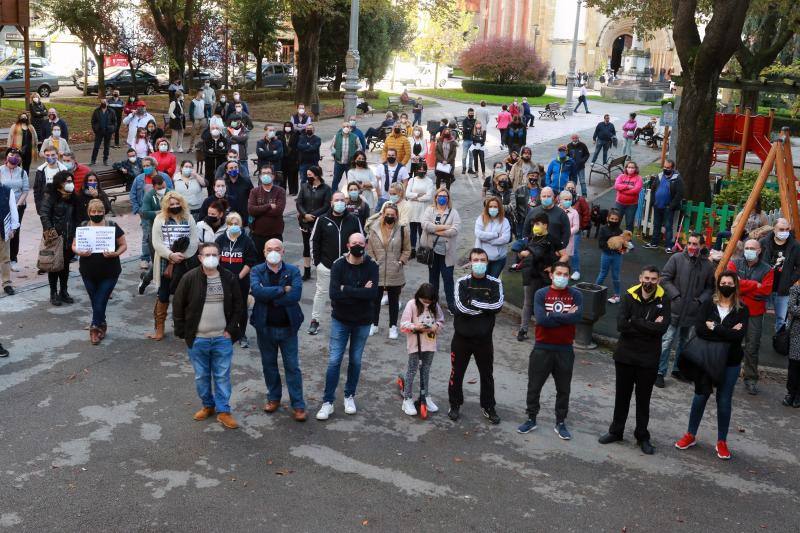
<point x="597" y="217"/>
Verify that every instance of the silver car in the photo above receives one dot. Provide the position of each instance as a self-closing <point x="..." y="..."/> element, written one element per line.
<point x="12" y="82"/>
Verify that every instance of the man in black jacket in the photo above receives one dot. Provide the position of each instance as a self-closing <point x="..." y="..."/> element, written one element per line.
<point x="666" y="195"/>
<point x="580" y="153"/>
<point x="781" y="251"/>
<point x="467" y="125"/>
<point x="353" y="289"/>
<point x="206" y="311"/>
<point x="478" y="299"/>
<point x="558" y="226"/>
<point x="642" y="321"/>
<point x="604" y="134"/>
<point x="328" y="243"/>
<point x="104" y="123"/>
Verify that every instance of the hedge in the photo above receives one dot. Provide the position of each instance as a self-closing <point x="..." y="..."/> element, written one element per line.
<point x="503" y="89"/>
<point x="793" y="123"/>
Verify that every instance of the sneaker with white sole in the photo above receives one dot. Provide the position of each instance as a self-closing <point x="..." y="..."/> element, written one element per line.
<point x="373" y="329"/>
<point x="349" y="405"/>
<point x="15" y="267"/>
<point x="393" y="332"/>
<point x="575" y="276"/>
<point x="408" y="407"/>
<point x="325" y="411"/>
<point x="385" y="299"/>
<point x="614" y="299"/>
<point x="432" y="407"/>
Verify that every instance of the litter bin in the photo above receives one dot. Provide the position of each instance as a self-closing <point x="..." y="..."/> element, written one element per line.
<point x="433" y="127"/>
<point x="594" y="307"/>
<point x="316" y="110"/>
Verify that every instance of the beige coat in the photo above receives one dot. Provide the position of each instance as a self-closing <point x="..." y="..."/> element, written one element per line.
<point x="450" y="237"/>
<point x="391" y="255"/>
<point x="161" y="250"/>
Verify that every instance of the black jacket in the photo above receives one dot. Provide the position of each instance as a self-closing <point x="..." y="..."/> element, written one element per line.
<point x="312" y="201"/>
<point x="241" y="192"/>
<point x="579" y="152"/>
<point x="329" y="237"/>
<point x="467" y="125"/>
<point x="606" y="232"/>
<point x="542" y="255"/>
<point x="675" y="190"/>
<point x="351" y="301"/>
<point x="47" y="129"/>
<point x="111" y="120"/>
<point x="190" y="298"/>
<point x="558" y="226"/>
<point x="81" y="202"/>
<point x="478" y="300"/>
<point x="214" y="148"/>
<point x="270" y="152"/>
<point x="132" y="170"/>
<point x="603" y="133"/>
<point x="723" y="329"/>
<point x="790" y="269"/>
<point x="640" y="335"/>
<point x="58" y="213"/>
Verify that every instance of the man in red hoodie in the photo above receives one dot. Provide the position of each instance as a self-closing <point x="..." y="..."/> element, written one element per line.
<point x="755" y="286"/>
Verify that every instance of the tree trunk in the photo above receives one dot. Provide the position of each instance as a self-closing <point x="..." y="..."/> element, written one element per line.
<point x="696" y="135"/>
<point x="132" y="70"/>
<point x="259" y="72"/>
<point x="337" y="78"/>
<point x="750" y="99"/>
<point x="308" y="29"/>
<point x="101" y="74"/>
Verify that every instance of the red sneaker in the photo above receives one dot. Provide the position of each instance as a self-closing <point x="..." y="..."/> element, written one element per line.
<point x="722" y="450"/>
<point x="687" y="441"/>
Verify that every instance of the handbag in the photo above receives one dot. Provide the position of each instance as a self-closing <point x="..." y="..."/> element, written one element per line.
<point x="425" y="253"/>
<point x="781" y="339"/>
<point x="51" y="253"/>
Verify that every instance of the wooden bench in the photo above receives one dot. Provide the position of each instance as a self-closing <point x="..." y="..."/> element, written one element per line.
<point x="395" y="103"/>
<point x="552" y="110"/>
<point x="615" y="164"/>
<point x="112" y="182"/>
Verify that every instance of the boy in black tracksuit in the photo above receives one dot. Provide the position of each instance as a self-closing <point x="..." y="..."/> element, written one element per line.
<point x="478" y="299"/>
<point x="642" y="321"/>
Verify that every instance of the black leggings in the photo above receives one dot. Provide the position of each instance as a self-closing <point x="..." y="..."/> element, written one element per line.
<point x="478" y="157"/>
<point x="416" y="231"/>
<point x="15" y="239"/>
<point x="60" y="278"/>
<point x="306" y="243"/>
<point x="394" y="304"/>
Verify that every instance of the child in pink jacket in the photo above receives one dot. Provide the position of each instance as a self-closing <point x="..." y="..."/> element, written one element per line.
<point x="628" y="186"/>
<point x="422" y="321"/>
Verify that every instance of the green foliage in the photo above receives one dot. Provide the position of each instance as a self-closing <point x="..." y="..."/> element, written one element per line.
<point x="444" y="35"/>
<point x="739" y="188"/>
<point x="504" y="89"/>
<point x="778" y="71"/>
<point x="254" y="28"/>
<point x="93" y="26"/>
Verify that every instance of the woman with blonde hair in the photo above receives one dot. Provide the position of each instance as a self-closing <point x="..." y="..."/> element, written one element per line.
<point x="397" y="196"/>
<point x="174" y="238"/>
<point x="419" y="194"/>
<point x="493" y="233"/>
<point x="419" y="149"/>
<point x="440" y="226"/>
<point x="22" y="136"/>
<point x="238" y="254"/>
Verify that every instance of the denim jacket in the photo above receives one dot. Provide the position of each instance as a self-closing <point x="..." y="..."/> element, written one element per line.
<point x="263" y="293"/>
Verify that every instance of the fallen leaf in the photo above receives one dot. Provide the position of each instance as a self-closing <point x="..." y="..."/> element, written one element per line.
<point x="365" y="522"/>
<point x="741" y="429"/>
<point x="283" y="472"/>
<point x="472" y="381"/>
<point x="589" y="385"/>
<point x="458" y="459"/>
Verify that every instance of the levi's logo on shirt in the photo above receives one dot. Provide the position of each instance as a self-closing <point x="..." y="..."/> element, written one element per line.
<point x="232" y="257"/>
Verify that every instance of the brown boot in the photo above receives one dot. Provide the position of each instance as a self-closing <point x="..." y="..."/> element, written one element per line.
<point x="272" y="406"/>
<point x="94" y="335"/>
<point x="227" y="420"/>
<point x="103" y="328"/>
<point x="204" y="413"/>
<point x="160" y="317"/>
<point x="300" y="415"/>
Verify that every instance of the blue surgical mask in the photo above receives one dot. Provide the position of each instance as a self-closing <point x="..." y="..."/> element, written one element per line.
<point x="266" y="179"/>
<point x="479" y="269"/>
<point x="547" y="202"/>
<point x="750" y="255"/>
<point x="353" y="195"/>
<point x="233" y="172"/>
<point x="441" y="200"/>
<point x="493" y="211"/>
<point x="394" y="198"/>
<point x="339" y="206"/>
<point x="146" y="170"/>
<point x="186" y="171"/>
<point x="562" y="154"/>
<point x="560" y="281"/>
<point x="782" y="235"/>
<point x="234" y="230"/>
<point x="566" y="203"/>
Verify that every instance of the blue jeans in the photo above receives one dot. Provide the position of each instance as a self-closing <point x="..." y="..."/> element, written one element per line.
<point x="495" y="268"/>
<point x="440" y="268"/>
<point x="665" y="217"/>
<point x="465" y="144"/>
<point x="340" y="334"/>
<point x="724" y="408"/>
<point x="582" y="181"/>
<point x="575" y="260"/>
<point x="610" y="261"/>
<point x="269" y="341"/>
<point x="338" y="170"/>
<point x="581" y="100"/>
<point x="781" y="305"/>
<point x="628" y="147"/>
<point x="628" y="212"/>
<point x="417" y="118"/>
<point x="99" y="290"/>
<point x="211" y="358"/>
<point x="601" y="146"/>
<point x="666" y="346"/>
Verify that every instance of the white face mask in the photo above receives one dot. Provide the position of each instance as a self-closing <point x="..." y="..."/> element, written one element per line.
<point x="69" y="186"/>
<point x="273" y="258"/>
<point x="163" y="148"/>
<point x="132" y="159"/>
<point x="211" y="262"/>
<point x="56" y="134"/>
<point x="215" y="133"/>
<point x="287" y="129"/>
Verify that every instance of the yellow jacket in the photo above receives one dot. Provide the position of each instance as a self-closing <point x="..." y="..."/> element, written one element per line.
<point x="399" y="142"/>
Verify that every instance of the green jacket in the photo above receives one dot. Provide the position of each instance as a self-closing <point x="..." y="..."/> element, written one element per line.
<point x="151" y="206"/>
<point x="353" y="146"/>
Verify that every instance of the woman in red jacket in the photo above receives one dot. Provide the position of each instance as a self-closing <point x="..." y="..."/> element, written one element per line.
<point x="165" y="159"/>
<point x="628" y="186"/>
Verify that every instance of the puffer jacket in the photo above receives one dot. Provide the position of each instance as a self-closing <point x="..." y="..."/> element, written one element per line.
<point x="399" y="142"/>
<point x="391" y="255"/>
<point x="559" y="172"/>
<point x="689" y="282"/>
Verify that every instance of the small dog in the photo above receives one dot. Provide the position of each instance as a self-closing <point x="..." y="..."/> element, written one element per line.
<point x="597" y="217"/>
<point x="620" y="242"/>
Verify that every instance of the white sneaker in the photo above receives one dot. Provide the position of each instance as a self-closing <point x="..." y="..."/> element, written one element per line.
<point x="393" y="332"/>
<point x="576" y="276"/>
<point x="144" y="265"/>
<point x="325" y="411"/>
<point x="432" y="407"/>
<point x="385" y="299"/>
<point x="15" y="267"/>
<point x="349" y="405"/>
<point x="408" y="407"/>
<point x="373" y="329"/>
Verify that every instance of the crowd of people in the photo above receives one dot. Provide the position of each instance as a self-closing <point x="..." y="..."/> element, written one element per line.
<point x="211" y="241"/>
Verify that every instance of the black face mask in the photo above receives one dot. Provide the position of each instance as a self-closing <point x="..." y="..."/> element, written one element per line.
<point x="176" y="210"/>
<point x="397" y="130"/>
<point x="310" y="133"/>
<point x="668" y="172"/>
<point x="388" y="220"/>
<point x="613" y="225"/>
<point x="96" y="218"/>
<point x="726" y="290"/>
<point x="361" y="163"/>
<point x="391" y="160"/>
<point x="357" y="250"/>
<point x="211" y="221"/>
<point x="648" y="287"/>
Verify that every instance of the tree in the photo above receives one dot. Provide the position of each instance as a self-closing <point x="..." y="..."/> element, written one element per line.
<point x="254" y="28"/>
<point x="133" y="41"/>
<point x="383" y="30"/>
<point x="173" y="20"/>
<point x="444" y="36"/>
<point x="307" y="18"/>
<point x="94" y="27"/>
<point x="503" y="61"/>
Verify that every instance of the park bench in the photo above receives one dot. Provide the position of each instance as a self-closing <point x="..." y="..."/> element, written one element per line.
<point x="113" y="183"/>
<point x="552" y="110"/>
<point x="614" y="164"/>
<point x="394" y="103"/>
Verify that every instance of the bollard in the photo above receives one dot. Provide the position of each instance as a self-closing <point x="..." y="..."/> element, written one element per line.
<point x="594" y="307"/>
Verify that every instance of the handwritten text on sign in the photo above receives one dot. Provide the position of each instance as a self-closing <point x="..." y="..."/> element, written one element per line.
<point x="96" y="239"/>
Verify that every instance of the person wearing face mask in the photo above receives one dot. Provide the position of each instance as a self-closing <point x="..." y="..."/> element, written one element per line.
<point x="561" y="170"/>
<point x="13" y="176"/>
<point x="269" y="150"/>
<point x="197" y="116"/>
<point x="312" y="202"/>
<point x="666" y="195"/>
<point x="755" y="286"/>
<point x="493" y="233"/>
<point x="277" y="317"/>
<point x="289" y="161"/>
<point x="191" y="186"/>
<point x="239" y="255"/>
<point x="642" y="321"/>
<point x="38" y="114"/>
<point x="209" y="98"/>
<point x="526" y="196"/>
<point x="308" y="146"/>
<point x="140" y="118"/>
<point x="238" y="136"/>
<point x="391" y="172"/>
<point x="177" y="120"/>
<point x="521" y="167"/>
<point x="387" y="123"/>
<point x="390" y="247"/>
<point x="344" y="144"/>
<point x="441" y="224"/>
<point x="53" y="121"/>
<point x="115" y="104"/>
<point x="356" y="204"/>
<point x="361" y="172"/>
<point x="397" y="140"/>
<point x="558" y="308"/>
<point x="628" y="185"/>
<point x="104" y="122"/>
<point x="130" y="106"/>
<point x="468" y="127"/>
<point x="154" y="134"/>
<point x="580" y="205"/>
<point x="221" y="108"/>
<point x="78" y="170"/>
<point x="142" y="184"/>
<point x="419" y="195"/>
<point x="516" y="134"/>
<point x="141" y="145"/>
<point x="446" y="147"/>
<point x="720" y="327"/>
<point x="99" y="271"/>
<point x="265" y="206"/>
<point x="502" y="190"/>
<point x="300" y="120"/>
<point x="688" y="278"/>
<point x="419" y="149"/>
<point x="8" y="229"/>
<point x="503" y="119"/>
<point x="565" y="203"/>
<point x="478" y="149"/>
<point x="174" y="88"/>
<point x="206" y="313"/>
<point x="239" y="188"/>
<point x="781" y="251"/>
<point x="22" y="136"/>
<point x="603" y="136"/>
<point x="362" y="140"/>
<point x="220" y="193"/>
<point x="44" y="174"/>
<point x="57" y="215"/>
<point x="610" y="260"/>
<point x="579" y="153"/>
<point x="215" y="150"/>
<point x="130" y="167"/>
<point x="91" y="190"/>
<point x="478" y="298"/>
<point x="166" y="161"/>
<point x="628" y="133"/>
<point x="55" y="141"/>
<point x="558" y="227"/>
<point x="328" y="240"/>
<point x="213" y="225"/>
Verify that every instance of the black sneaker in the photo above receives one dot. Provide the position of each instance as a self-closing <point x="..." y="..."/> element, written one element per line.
<point x="788" y="400"/>
<point x="66" y="298"/>
<point x="413" y="253"/>
<point x="313" y="327"/>
<point x="659" y="381"/>
<point x="522" y="335"/>
<point x="8" y="289"/>
<point x="646" y="447"/>
<point x="3" y="351"/>
<point x="453" y="413"/>
<point x="54" y="299"/>
<point x="492" y="415"/>
<point x="143" y="284"/>
<point x="608" y="438"/>
<point x="677" y="375"/>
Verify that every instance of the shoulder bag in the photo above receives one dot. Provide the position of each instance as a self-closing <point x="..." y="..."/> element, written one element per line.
<point x="425" y="253"/>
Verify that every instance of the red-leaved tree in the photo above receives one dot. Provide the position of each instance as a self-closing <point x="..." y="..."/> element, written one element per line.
<point x="503" y="61"/>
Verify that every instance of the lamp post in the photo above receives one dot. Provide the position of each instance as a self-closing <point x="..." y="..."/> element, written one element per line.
<point x="571" y="74"/>
<point x="351" y="62"/>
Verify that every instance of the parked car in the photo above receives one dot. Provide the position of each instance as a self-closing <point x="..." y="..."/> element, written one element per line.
<point x="12" y="81"/>
<point x="120" y="79"/>
<point x="280" y="75"/>
<point x="200" y="76"/>
<point x="60" y="70"/>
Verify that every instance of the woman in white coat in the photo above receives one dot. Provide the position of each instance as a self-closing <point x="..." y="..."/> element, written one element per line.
<point x="419" y="195"/>
<point x="493" y="233"/>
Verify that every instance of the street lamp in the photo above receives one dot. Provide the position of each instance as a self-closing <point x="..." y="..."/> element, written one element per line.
<point x="571" y="75"/>
<point x="351" y="62"/>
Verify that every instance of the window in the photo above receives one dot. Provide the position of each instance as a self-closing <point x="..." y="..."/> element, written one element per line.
<point x="279" y="69"/>
<point x="36" y="73"/>
<point x="123" y="76"/>
<point x="15" y="74"/>
<point x="269" y="71"/>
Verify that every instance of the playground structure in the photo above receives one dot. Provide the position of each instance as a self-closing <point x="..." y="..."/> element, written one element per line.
<point x="736" y="135"/>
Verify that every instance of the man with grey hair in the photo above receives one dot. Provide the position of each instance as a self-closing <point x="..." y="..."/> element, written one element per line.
<point x="755" y="286"/>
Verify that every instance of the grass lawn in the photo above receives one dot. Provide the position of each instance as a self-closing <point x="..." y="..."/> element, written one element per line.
<point x="459" y="95"/>
<point x="78" y="116"/>
<point x="650" y="111"/>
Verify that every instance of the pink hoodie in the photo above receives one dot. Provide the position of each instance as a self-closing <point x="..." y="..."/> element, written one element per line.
<point x="629" y="128"/>
<point x="410" y="318"/>
<point x="628" y="188"/>
<point x="503" y="120"/>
